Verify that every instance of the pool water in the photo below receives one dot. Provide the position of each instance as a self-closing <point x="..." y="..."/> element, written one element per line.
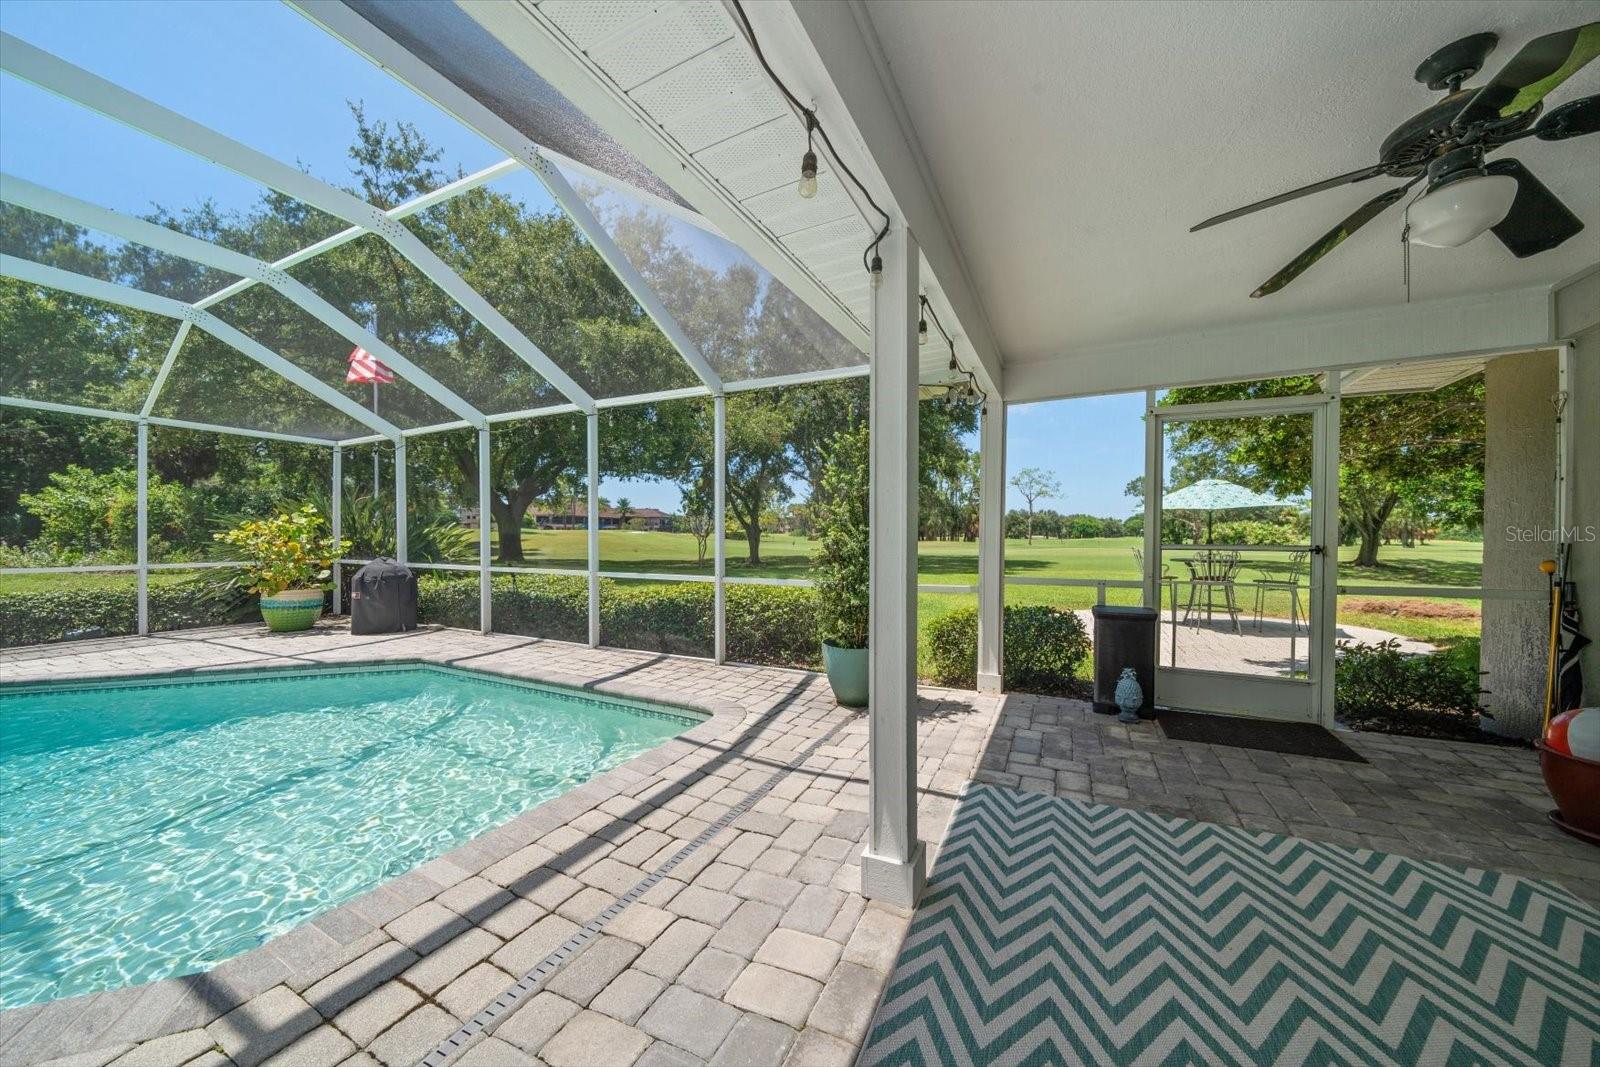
<point x="157" y="829"/>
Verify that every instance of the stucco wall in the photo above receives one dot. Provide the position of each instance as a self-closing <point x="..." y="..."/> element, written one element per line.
<point x="1583" y="407"/>
<point x="1518" y="515"/>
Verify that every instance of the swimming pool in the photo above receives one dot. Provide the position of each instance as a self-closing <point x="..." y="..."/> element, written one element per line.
<point x="156" y="828"/>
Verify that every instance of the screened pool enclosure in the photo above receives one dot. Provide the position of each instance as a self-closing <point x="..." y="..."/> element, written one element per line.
<point x="205" y="323"/>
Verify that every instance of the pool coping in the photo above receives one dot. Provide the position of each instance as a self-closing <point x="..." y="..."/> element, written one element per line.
<point x="323" y="944"/>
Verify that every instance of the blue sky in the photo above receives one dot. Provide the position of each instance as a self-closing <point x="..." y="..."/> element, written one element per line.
<point x="259" y="72"/>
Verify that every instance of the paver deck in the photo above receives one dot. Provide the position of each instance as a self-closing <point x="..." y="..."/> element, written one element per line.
<point x="757" y="947"/>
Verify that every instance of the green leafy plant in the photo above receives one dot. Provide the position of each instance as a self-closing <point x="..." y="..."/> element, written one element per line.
<point x="842" y="566"/>
<point x="1044" y="648"/>
<point x="292" y="550"/>
<point x="1378" y="687"/>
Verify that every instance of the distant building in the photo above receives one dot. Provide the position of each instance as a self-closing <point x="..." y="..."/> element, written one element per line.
<point x="577" y="518"/>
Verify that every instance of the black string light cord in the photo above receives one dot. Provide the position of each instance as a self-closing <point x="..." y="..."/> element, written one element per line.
<point x="870" y="260"/>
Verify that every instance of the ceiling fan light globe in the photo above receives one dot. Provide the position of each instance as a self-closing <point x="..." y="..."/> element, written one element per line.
<point x="1455" y="213"/>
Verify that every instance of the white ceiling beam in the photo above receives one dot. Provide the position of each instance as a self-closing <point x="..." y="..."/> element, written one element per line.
<point x="524" y="33"/>
<point x="365" y="38"/>
<point x="1517" y="320"/>
<point x="23" y="193"/>
<point x="832" y="50"/>
<point x="49" y="72"/>
<point x="26" y="270"/>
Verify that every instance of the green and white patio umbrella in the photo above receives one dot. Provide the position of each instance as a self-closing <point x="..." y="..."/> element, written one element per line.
<point x="1215" y="494"/>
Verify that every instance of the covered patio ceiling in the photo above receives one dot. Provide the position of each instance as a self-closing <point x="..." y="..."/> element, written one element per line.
<point x="1052" y="157"/>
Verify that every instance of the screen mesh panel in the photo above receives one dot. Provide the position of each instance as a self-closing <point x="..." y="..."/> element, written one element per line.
<point x="367" y="520"/>
<point x="442" y="499"/>
<point x="746" y="323"/>
<point x="512" y="244"/>
<point x="67" y="487"/>
<point x="294" y="334"/>
<point x="536" y="470"/>
<point x="43" y="239"/>
<point x="213" y="383"/>
<point x="450" y="42"/>
<point x="372" y="283"/>
<point x="218" y="64"/>
<point x="57" y="144"/>
<point x="656" y="483"/>
<point x="68" y="349"/>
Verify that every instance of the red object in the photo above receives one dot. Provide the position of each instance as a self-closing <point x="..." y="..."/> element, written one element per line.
<point x="1556" y="735"/>
<point x="365" y="367"/>
<point x="1574" y="783"/>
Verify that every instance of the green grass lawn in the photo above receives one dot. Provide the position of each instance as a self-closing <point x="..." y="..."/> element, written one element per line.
<point x="1446" y="563"/>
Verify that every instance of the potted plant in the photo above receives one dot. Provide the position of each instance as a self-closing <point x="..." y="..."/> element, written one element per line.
<point x="288" y="560"/>
<point x="842" y="567"/>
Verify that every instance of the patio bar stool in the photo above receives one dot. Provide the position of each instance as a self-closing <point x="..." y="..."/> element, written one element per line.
<point x="1168" y="580"/>
<point x="1290" y="583"/>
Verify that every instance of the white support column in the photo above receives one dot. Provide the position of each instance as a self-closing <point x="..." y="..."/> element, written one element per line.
<point x="1324" y="606"/>
<point x="892" y="868"/>
<point x="336" y="525"/>
<point x="402" y="543"/>
<point x="719" y="520"/>
<point x="485" y="607"/>
<point x="992" y="547"/>
<point x="592" y="423"/>
<point x="143" y="526"/>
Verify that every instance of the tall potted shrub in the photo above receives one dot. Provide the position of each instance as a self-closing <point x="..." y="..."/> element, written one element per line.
<point x="842" y="567"/>
<point x="288" y="560"/>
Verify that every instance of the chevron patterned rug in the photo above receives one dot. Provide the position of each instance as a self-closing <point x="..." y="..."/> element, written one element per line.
<point x="1057" y="932"/>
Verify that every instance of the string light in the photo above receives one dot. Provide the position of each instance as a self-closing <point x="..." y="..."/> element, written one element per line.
<point x="874" y="264"/>
<point x="922" y="321"/>
<point x="808" y="162"/>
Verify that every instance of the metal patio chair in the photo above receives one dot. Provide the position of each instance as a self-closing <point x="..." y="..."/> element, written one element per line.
<point x="1213" y="572"/>
<point x="1289" y="583"/>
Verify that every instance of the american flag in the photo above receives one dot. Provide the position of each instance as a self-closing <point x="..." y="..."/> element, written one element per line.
<point x="365" y="367"/>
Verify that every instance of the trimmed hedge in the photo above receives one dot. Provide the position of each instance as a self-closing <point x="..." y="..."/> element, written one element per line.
<point x="1378" y="687"/>
<point x="31" y="618"/>
<point x="769" y="625"/>
<point x="1044" y="647"/>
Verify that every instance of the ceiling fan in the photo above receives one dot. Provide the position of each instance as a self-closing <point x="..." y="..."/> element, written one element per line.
<point x="1446" y="144"/>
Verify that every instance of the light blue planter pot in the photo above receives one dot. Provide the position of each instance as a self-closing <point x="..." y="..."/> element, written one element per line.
<point x="847" y="674"/>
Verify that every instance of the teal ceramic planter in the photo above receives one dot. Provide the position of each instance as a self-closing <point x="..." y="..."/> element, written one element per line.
<point x="847" y="674"/>
<point x="291" y="609"/>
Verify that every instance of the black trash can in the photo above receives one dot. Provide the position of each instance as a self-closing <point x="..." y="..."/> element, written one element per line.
<point x="1124" y="637"/>
<point x="383" y="598"/>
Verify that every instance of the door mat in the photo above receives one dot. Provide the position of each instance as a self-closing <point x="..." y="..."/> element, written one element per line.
<point x="1056" y="932"/>
<point x="1290" y="738"/>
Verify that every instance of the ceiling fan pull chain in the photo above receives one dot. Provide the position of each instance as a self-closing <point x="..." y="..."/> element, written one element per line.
<point x="1405" y="252"/>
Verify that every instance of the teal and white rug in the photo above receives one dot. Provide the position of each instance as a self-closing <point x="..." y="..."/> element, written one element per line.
<point x="1057" y="932"/>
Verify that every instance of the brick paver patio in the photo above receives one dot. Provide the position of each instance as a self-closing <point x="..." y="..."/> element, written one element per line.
<point x="755" y="949"/>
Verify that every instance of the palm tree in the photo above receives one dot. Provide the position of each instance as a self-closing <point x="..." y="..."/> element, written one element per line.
<point x="624" y="511"/>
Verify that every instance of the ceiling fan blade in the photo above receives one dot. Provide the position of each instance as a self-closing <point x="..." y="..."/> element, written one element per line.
<point x="1544" y="63"/>
<point x="1570" y="120"/>
<point x="1334" y="238"/>
<point x="1295" y="194"/>
<point x="1538" y="221"/>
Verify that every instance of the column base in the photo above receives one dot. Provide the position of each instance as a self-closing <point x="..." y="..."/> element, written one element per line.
<point x="894" y="881"/>
<point x="989" y="683"/>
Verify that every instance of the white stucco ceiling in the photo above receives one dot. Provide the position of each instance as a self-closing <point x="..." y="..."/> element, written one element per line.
<point x="1074" y="144"/>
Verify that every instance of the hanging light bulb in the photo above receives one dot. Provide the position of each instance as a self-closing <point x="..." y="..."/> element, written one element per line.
<point x="922" y="331"/>
<point x="953" y="364"/>
<point x="808" y="162"/>
<point x="876" y="270"/>
<point x="808" y="175"/>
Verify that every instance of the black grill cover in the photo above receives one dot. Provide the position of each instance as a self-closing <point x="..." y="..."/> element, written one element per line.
<point x="383" y="598"/>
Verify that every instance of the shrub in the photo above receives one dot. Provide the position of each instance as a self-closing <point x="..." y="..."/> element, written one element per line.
<point x="30" y="618"/>
<point x="842" y="565"/>
<point x="1044" y="647"/>
<point x="768" y="625"/>
<point x="1378" y="687"/>
<point x="291" y="550"/>
<point x="1256" y="532"/>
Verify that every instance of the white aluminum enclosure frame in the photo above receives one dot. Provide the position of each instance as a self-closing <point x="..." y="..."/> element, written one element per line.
<point x="1290" y="699"/>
